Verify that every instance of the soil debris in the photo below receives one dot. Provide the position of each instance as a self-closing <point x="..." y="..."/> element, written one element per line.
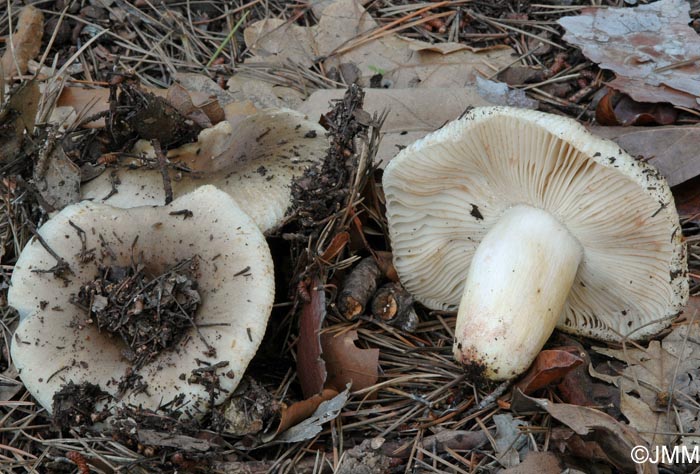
<point x="75" y="405"/>
<point x="135" y="113"/>
<point x="150" y="314"/>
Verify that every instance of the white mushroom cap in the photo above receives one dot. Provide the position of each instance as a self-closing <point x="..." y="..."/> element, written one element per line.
<point x="235" y="281"/>
<point x="447" y="190"/>
<point x="255" y="162"/>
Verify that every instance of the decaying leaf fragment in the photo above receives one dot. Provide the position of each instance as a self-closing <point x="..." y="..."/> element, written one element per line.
<point x="347" y="363"/>
<point x="342" y="36"/>
<point x="310" y="427"/>
<point x="651" y="48"/>
<point x="614" y="437"/>
<point x="24" y="43"/>
<point x="664" y="378"/>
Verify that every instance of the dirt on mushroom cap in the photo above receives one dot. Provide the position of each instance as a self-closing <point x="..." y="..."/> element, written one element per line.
<point x="234" y="265"/>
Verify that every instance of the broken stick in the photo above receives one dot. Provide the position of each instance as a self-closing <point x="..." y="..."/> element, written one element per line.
<point x="394" y="305"/>
<point x="359" y="287"/>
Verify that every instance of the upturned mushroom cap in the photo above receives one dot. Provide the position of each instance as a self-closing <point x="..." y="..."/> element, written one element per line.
<point x="254" y="162"/>
<point x="234" y="276"/>
<point x="447" y="190"/>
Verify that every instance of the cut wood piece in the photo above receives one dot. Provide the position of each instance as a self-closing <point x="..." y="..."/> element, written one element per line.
<point x="359" y="287"/>
<point x="394" y="305"/>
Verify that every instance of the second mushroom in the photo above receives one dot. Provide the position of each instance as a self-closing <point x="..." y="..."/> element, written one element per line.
<point x="525" y="222"/>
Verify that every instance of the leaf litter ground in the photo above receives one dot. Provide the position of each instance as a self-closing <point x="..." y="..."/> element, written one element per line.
<point x="422" y="414"/>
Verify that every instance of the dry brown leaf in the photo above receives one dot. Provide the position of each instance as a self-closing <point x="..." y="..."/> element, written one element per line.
<point x="87" y="102"/>
<point x="263" y="94"/>
<point x="549" y="367"/>
<point x="500" y="94"/>
<point x="346" y="363"/>
<point x="203" y="109"/>
<point x="651" y="48"/>
<point x="311" y="426"/>
<point x="614" y="437"/>
<point x="620" y="109"/>
<point x="311" y="368"/>
<point x="58" y="179"/>
<point x="10" y="384"/>
<point x="665" y="377"/>
<point x="338" y="38"/>
<point x="411" y="115"/>
<point x="26" y="41"/>
<point x="673" y="150"/>
<point x="18" y="118"/>
<point x="300" y="411"/>
<point x="537" y="463"/>
<point x="687" y="197"/>
<point x="199" y="83"/>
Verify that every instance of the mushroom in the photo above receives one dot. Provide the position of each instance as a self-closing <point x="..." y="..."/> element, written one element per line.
<point x="525" y="222"/>
<point x="255" y="163"/>
<point x="234" y="279"/>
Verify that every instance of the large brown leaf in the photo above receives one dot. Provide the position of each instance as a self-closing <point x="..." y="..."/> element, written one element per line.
<point x="651" y="48"/>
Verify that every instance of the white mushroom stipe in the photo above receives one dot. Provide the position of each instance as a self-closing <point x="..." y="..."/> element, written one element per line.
<point x="448" y="193"/>
<point x="234" y="277"/>
<point x="518" y="282"/>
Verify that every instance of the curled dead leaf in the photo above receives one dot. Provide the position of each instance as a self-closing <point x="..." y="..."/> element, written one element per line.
<point x="25" y="43"/>
<point x="549" y="367"/>
<point x="618" y="109"/>
<point x="310" y="366"/>
<point x="346" y="363"/>
<point x="616" y="439"/>
<point x="650" y="47"/>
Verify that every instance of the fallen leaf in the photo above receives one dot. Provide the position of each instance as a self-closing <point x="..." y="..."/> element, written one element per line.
<point x="615" y="438"/>
<point x="311" y="368"/>
<point x="88" y="102"/>
<point x="549" y="367"/>
<point x="687" y="198"/>
<point x="346" y="363"/>
<point x="57" y="179"/>
<point x="328" y="410"/>
<point x="10" y="384"/>
<point x="263" y="94"/>
<point x="673" y="150"/>
<point x="500" y="94"/>
<point x="537" y="463"/>
<point x="299" y="411"/>
<point x="411" y="115"/>
<point x="202" y="109"/>
<point x="202" y="84"/>
<point x="158" y="438"/>
<point x="663" y="376"/>
<point x="250" y="408"/>
<point x="336" y="246"/>
<point x="25" y="42"/>
<point x="619" y="109"/>
<point x="565" y="440"/>
<point x="341" y="37"/>
<point x="509" y="439"/>
<point x="651" y="48"/>
<point x="457" y="440"/>
<point x="18" y="116"/>
<point x="579" y="388"/>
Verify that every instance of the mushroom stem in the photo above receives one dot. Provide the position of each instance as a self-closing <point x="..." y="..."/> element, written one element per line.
<point x="518" y="283"/>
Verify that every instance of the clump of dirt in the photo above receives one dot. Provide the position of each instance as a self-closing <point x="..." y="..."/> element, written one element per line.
<point x="323" y="192"/>
<point x="149" y="314"/>
<point x="135" y="113"/>
<point x="75" y="405"/>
